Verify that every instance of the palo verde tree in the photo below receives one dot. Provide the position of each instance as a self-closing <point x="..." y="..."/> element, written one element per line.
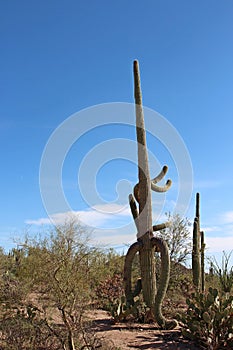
<point x="146" y="243"/>
<point x="178" y="238"/>
<point x="61" y="269"/>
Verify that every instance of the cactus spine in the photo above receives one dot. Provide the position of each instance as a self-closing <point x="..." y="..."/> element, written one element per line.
<point x="142" y="215"/>
<point x="198" y="252"/>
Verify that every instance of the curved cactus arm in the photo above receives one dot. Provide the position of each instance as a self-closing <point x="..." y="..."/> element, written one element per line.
<point x="133" y="206"/>
<point x="154" y="188"/>
<point x="162" y="247"/>
<point x="133" y="249"/>
<point x="136" y="192"/>
<point x="161" y="175"/>
<point x="134" y="210"/>
<point x="158" y="178"/>
<point x="161" y="188"/>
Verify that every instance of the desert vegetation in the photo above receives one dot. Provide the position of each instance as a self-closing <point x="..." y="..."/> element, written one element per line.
<point x="49" y="286"/>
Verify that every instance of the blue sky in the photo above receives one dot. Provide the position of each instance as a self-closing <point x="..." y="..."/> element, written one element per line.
<point x="59" y="57"/>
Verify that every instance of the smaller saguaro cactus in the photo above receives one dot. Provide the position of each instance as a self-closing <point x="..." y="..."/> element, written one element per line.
<point x="198" y="252"/>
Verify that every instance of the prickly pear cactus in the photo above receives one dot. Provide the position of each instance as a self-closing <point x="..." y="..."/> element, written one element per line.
<point x="208" y="320"/>
<point x="146" y="243"/>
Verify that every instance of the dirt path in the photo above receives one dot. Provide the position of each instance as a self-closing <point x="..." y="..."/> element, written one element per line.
<point x="128" y="336"/>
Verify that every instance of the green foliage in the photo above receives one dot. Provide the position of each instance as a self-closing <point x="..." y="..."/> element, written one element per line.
<point x="121" y="311"/>
<point x="177" y="236"/>
<point x="209" y="320"/>
<point x="110" y="293"/>
<point x="46" y="285"/>
<point x="180" y="279"/>
<point x="224" y="274"/>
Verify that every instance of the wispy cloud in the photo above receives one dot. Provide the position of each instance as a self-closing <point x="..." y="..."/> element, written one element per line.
<point x="200" y="184"/>
<point x="222" y="223"/>
<point x="227" y="217"/>
<point x="211" y="229"/>
<point x="219" y="244"/>
<point x="100" y="216"/>
<point x="114" y="238"/>
<point x="113" y="225"/>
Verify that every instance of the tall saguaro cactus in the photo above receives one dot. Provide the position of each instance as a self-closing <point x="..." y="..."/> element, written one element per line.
<point x="146" y="243"/>
<point x="198" y="258"/>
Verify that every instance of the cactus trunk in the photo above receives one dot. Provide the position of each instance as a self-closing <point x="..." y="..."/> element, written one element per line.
<point x="147" y="265"/>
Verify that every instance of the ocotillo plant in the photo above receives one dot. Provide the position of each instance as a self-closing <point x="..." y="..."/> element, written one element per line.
<point x="198" y="258"/>
<point x="146" y="243"/>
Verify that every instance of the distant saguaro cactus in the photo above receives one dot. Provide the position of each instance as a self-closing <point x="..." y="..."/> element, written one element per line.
<point x="198" y="257"/>
<point x="202" y="261"/>
<point x="146" y="243"/>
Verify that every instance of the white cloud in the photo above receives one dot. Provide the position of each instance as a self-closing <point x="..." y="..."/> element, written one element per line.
<point x="211" y="229"/>
<point x="113" y="225"/>
<point x="113" y="209"/>
<point x="114" y="237"/>
<point x="100" y="216"/>
<point x="219" y="244"/>
<point x="227" y="217"/>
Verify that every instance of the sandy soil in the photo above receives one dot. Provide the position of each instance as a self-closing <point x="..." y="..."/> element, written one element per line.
<point x="128" y="336"/>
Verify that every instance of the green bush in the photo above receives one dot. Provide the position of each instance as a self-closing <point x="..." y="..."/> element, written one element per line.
<point x="109" y="291"/>
<point x="209" y="320"/>
<point x="224" y="274"/>
<point x="46" y="286"/>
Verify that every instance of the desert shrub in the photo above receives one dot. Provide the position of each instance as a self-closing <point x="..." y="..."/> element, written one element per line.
<point x="22" y="328"/>
<point x="110" y="291"/>
<point x="12" y="290"/>
<point x="21" y="324"/>
<point x="138" y="312"/>
<point x="177" y="236"/>
<point x="224" y="274"/>
<point x="209" y="320"/>
<point x="57" y="274"/>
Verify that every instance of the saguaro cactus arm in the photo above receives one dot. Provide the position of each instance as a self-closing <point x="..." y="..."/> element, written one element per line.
<point x="158" y="178"/>
<point x="154" y="182"/>
<point x="162" y="247"/>
<point x="134" y="248"/>
<point x="160" y="227"/>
